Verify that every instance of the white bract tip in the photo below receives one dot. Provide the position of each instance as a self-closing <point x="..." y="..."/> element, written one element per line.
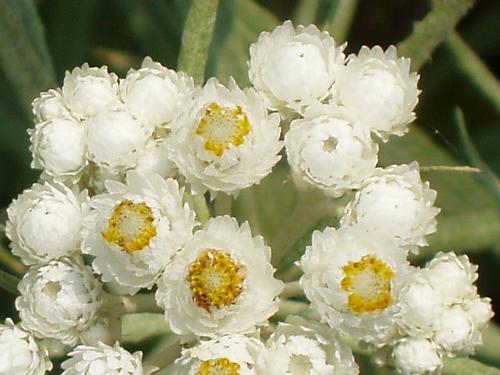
<point x="294" y="67"/>
<point x="50" y="106"/>
<point x="416" y="356"/>
<point x="377" y="88"/>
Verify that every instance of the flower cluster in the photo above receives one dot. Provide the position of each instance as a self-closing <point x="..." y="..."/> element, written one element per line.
<point x="122" y="162"/>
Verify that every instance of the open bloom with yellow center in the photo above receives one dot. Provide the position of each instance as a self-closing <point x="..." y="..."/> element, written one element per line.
<point x="59" y="300"/>
<point x="327" y="150"/>
<point x="20" y="354"/>
<point x="134" y="229"/>
<point x="378" y="89"/>
<point x="353" y="280"/>
<point x="294" y="67"/>
<point x="225" y="355"/>
<point x="154" y="94"/>
<point x="299" y="347"/>
<point x="395" y="201"/>
<point x="225" y="140"/>
<point x="221" y="282"/>
<point x="45" y="222"/>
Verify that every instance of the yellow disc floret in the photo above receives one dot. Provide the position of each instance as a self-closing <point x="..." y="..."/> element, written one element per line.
<point x="221" y="127"/>
<point x="131" y="226"/>
<point x="368" y="283"/>
<point x="219" y="366"/>
<point x="215" y="279"/>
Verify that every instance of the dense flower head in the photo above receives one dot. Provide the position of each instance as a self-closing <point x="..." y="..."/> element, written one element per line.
<point x="103" y="359"/>
<point x="294" y="67"/>
<point x="417" y="356"/>
<point x="134" y="230"/>
<point x="221" y="282"/>
<point x="20" y="354"/>
<point x="326" y="150"/>
<point x="225" y="140"/>
<point x="378" y="89"/>
<point x="60" y="300"/>
<point x="45" y="222"/>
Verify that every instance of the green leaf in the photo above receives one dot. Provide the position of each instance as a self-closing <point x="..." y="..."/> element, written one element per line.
<point x="141" y="326"/>
<point x="339" y="18"/>
<point x="24" y="57"/>
<point x="432" y="30"/>
<point x="9" y="282"/>
<point x="467" y="366"/>
<point x="305" y="12"/>
<point x="239" y="24"/>
<point x="469" y="218"/>
<point x="488" y="351"/>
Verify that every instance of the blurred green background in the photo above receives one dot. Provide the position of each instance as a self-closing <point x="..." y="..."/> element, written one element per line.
<point x="38" y="44"/>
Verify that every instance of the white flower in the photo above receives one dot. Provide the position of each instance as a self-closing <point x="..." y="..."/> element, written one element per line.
<point x="87" y="91"/>
<point x="456" y="333"/>
<point x="116" y="139"/>
<point x="231" y="355"/>
<point x="154" y="94"/>
<point x="328" y="151"/>
<point x="453" y="276"/>
<point x="221" y="282"/>
<point x="134" y="230"/>
<point x="225" y="140"/>
<point x="417" y="356"/>
<point x="378" y="88"/>
<point x="479" y="310"/>
<point x="155" y="159"/>
<point x="103" y="360"/>
<point x="353" y="280"/>
<point x="49" y="106"/>
<point x="421" y="306"/>
<point x="19" y="352"/>
<point x="294" y="67"/>
<point x="59" y="147"/>
<point x="45" y="222"/>
<point x="396" y="202"/>
<point x="300" y="347"/>
<point x="59" y="300"/>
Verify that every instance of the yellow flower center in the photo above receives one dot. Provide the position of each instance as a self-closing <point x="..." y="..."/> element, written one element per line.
<point x="219" y="366"/>
<point x="221" y="127"/>
<point x="368" y="282"/>
<point x="130" y="226"/>
<point x="215" y="279"/>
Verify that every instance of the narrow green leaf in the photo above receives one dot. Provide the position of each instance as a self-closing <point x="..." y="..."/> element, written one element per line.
<point x="305" y="12"/>
<point x="433" y="30"/>
<point x="23" y="52"/>
<point x="488" y="351"/>
<point x="139" y="327"/>
<point x="467" y="366"/>
<point x="9" y="282"/>
<point x="339" y="19"/>
<point x="196" y="38"/>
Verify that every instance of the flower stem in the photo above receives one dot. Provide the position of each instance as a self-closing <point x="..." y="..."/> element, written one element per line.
<point x="292" y="289"/>
<point x="339" y="19"/>
<point x="449" y="168"/>
<point x="131" y="304"/>
<point x="9" y="283"/>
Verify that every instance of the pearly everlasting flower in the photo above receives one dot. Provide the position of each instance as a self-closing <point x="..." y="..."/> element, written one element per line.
<point x="19" y="352"/>
<point x="378" y="88"/>
<point x="456" y="333"/>
<point x="328" y="151"/>
<point x="294" y="67"/>
<point x="116" y="139"/>
<point x="453" y="276"/>
<point x="232" y="355"/>
<point x="396" y="202"/>
<point x="305" y="347"/>
<point x="45" y="222"/>
<point x="103" y="360"/>
<point x="59" y="300"/>
<point x="225" y="140"/>
<point x="154" y="94"/>
<point x="86" y="91"/>
<point x="220" y="283"/>
<point x="59" y="148"/>
<point x="155" y="159"/>
<point x="417" y="356"/>
<point x="353" y="280"/>
<point x="135" y="229"/>
<point x="421" y="305"/>
<point x="50" y="106"/>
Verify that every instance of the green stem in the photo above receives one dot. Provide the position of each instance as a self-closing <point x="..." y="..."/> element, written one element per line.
<point x="196" y="38"/>
<point x="305" y="12"/>
<point x="292" y="289"/>
<point x="200" y="207"/>
<point x="11" y="262"/>
<point x="9" y="282"/>
<point x="472" y="66"/>
<point x="131" y="304"/>
<point x="433" y="30"/>
<point x="449" y="168"/>
<point x="467" y="366"/>
<point x="289" y="307"/>
<point x="339" y="19"/>
<point x="223" y="204"/>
